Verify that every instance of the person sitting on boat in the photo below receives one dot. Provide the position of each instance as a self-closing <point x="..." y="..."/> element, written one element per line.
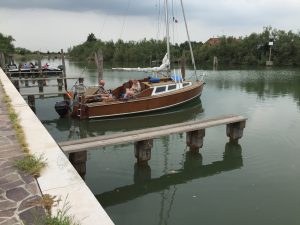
<point x="101" y="90"/>
<point x="101" y="94"/>
<point x="32" y="66"/>
<point x="45" y="66"/>
<point x="134" y="90"/>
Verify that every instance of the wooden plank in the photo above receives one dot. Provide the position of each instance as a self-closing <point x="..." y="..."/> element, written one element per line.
<point x="145" y="134"/>
<point x="45" y="78"/>
<point x="34" y="72"/>
<point x="45" y="93"/>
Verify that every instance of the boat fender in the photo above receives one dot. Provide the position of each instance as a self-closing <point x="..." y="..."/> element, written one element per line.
<point x="154" y="80"/>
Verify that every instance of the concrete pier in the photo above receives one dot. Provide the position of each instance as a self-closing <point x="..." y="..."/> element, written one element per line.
<point x="142" y="150"/>
<point x="235" y="130"/>
<point x="194" y="140"/>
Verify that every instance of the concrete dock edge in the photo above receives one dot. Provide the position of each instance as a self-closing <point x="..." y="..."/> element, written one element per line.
<point x="59" y="178"/>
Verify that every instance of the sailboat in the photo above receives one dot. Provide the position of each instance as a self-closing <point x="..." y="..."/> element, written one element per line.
<point x="162" y="91"/>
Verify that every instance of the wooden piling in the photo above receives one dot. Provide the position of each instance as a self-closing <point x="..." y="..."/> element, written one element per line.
<point x="17" y="85"/>
<point x="40" y="82"/>
<point x="78" y="160"/>
<point x="99" y="63"/>
<point x="142" y="150"/>
<point x="20" y="73"/>
<point x="235" y="130"/>
<point x="41" y="85"/>
<point x="60" y="82"/>
<point x="39" y="64"/>
<point x="194" y="140"/>
<point x="64" y="69"/>
<point x="31" y="102"/>
<point x="2" y="60"/>
<point x="26" y="80"/>
<point x="215" y="63"/>
<point x="182" y="65"/>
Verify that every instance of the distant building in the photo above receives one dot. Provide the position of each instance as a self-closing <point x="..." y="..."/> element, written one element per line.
<point x="213" y="41"/>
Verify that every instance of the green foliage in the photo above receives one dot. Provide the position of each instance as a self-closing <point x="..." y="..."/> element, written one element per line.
<point x="249" y="50"/>
<point x="31" y="164"/>
<point x="91" y="37"/>
<point x="22" y="51"/>
<point x="61" y="217"/>
<point x="6" y="45"/>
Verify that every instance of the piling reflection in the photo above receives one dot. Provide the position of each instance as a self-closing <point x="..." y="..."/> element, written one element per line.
<point x="192" y="169"/>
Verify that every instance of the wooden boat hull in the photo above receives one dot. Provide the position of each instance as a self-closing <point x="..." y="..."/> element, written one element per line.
<point x="139" y="105"/>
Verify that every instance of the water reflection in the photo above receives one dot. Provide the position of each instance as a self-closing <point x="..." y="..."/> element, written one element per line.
<point x="192" y="169"/>
<point x="90" y="128"/>
<point x="265" y="83"/>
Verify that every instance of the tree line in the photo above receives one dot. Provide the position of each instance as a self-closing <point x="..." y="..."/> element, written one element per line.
<point x="253" y="49"/>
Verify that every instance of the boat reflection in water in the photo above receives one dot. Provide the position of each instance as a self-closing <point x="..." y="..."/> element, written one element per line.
<point x="90" y="128"/>
<point x="192" y="169"/>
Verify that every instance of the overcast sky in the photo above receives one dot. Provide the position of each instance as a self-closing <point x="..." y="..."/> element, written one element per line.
<point x="55" y="24"/>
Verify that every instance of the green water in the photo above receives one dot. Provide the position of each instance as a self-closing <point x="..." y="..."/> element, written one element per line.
<point x="254" y="182"/>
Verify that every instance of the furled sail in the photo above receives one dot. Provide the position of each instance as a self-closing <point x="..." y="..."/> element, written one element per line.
<point x="164" y="67"/>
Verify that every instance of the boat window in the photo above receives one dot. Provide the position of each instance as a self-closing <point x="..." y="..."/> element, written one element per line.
<point x="185" y="84"/>
<point x="160" y="89"/>
<point x="171" y="87"/>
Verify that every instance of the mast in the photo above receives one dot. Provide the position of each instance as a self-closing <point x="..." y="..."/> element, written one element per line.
<point x="167" y="31"/>
<point x="188" y="35"/>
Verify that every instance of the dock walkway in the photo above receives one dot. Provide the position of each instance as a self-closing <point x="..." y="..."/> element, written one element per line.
<point x="17" y="189"/>
<point x="149" y="133"/>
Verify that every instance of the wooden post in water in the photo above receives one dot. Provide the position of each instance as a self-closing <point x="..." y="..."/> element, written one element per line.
<point x="16" y="84"/>
<point x="142" y="150"/>
<point x="235" y="130"/>
<point x="60" y="82"/>
<point x="194" y="140"/>
<point x="41" y="85"/>
<point x="99" y="63"/>
<point x="2" y="60"/>
<point x="26" y="80"/>
<point x="39" y="64"/>
<point x="40" y="81"/>
<point x="182" y="65"/>
<point x="31" y="102"/>
<point x="215" y="63"/>
<point x="19" y="69"/>
<point x="78" y="160"/>
<point x="64" y="68"/>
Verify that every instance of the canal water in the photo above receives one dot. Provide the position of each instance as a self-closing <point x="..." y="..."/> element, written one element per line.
<point x="254" y="182"/>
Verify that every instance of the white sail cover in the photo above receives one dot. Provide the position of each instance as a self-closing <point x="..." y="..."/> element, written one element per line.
<point x="162" y="68"/>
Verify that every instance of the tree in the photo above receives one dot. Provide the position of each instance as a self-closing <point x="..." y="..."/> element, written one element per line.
<point x="6" y="45"/>
<point x="91" y="38"/>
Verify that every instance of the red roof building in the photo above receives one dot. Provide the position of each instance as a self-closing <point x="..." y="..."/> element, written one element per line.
<point x="213" y="41"/>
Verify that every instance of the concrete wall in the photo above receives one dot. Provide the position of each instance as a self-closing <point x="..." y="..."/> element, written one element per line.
<point x="59" y="178"/>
